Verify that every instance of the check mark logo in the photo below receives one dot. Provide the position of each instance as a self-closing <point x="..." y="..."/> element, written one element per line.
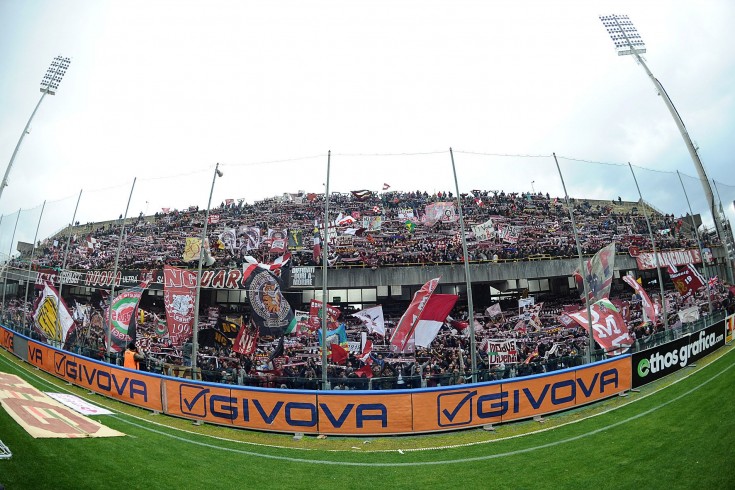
<point x="450" y="415"/>
<point x="189" y="404"/>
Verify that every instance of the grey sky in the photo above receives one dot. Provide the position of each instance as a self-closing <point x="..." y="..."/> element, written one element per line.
<point x="162" y="91"/>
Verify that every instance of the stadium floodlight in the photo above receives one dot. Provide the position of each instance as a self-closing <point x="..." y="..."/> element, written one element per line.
<point x="49" y="85"/>
<point x="195" y="326"/>
<point x="628" y="42"/>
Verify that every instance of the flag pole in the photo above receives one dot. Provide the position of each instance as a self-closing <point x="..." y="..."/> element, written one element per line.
<point x="699" y="242"/>
<point x="468" y="279"/>
<point x="591" y="342"/>
<point x="665" y="316"/>
<point x="7" y="263"/>
<point x="30" y="263"/>
<point x="729" y="245"/>
<point x="325" y="381"/>
<point x="114" y="274"/>
<point x="63" y="264"/>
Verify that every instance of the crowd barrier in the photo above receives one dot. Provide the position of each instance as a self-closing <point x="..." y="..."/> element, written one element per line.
<point x="354" y="412"/>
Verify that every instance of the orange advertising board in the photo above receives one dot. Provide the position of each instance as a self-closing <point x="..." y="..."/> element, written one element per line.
<point x="539" y="395"/>
<point x="41" y="356"/>
<point x="456" y="407"/>
<point x="137" y="388"/>
<point x="344" y="412"/>
<point x="6" y="339"/>
<point x="349" y="413"/>
<point x="276" y="410"/>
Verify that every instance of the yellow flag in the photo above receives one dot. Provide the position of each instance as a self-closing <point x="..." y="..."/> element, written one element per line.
<point x="191" y="249"/>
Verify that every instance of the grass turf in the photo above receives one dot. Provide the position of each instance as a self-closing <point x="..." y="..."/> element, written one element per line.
<point x="672" y="438"/>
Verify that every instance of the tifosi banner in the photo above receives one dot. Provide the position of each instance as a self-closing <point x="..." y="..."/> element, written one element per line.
<point x="54" y="327"/>
<point x="179" y="290"/>
<point x="410" y="318"/>
<point x="502" y="351"/>
<point x="652" y="364"/>
<point x="647" y="260"/>
<point x="124" y="308"/>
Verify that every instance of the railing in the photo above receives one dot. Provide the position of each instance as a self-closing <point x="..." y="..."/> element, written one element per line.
<point x="408" y="381"/>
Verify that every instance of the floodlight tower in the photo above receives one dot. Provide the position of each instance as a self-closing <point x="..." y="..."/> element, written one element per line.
<point x="629" y="42"/>
<point x="49" y="85"/>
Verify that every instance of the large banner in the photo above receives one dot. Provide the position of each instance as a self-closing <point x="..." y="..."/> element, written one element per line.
<point x="440" y="212"/>
<point x="179" y="291"/>
<point x="54" y="327"/>
<point x="124" y="308"/>
<point x="608" y="328"/>
<point x="484" y="231"/>
<point x="502" y="351"/>
<point x="315" y="315"/>
<point x="647" y="260"/>
<point x="687" y="281"/>
<point x="271" y="312"/>
<point x="410" y="318"/>
<point x="652" y="364"/>
<point x="42" y="416"/>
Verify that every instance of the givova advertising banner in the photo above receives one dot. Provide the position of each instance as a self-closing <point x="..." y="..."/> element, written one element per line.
<point x="652" y="364"/>
<point x="346" y="412"/>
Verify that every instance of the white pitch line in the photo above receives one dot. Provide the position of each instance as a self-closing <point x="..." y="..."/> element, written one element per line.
<point x="437" y="462"/>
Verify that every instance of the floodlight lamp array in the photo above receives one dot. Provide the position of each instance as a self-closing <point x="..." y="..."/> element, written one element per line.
<point x="54" y="74"/>
<point x="624" y="34"/>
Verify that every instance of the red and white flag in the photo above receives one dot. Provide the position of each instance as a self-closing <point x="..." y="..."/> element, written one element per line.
<point x="277" y="264"/>
<point x="407" y="324"/>
<point x="365" y="356"/>
<point x="343" y="220"/>
<point x="246" y="341"/>
<point x="373" y="319"/>
<point x="648" y="309"/>
<point x="608" y="328"/>
<point x="213" y="218"/>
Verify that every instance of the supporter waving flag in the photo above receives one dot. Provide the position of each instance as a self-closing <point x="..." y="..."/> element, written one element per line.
<point x="432" y="317"/>
<point x="270" y="310"/>
<point x="597" y="275"/>
<point x="54" y="328"/>
<point x="608" y="328"/>
<point x="373" y="319"/>
<point x="405" y="328"/>
<point x="648" y="309"/>
<point x="124" y="310"/>
<point x="362" y="195"/>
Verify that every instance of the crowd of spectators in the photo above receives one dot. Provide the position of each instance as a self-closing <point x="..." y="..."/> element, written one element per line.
<point x="389" y="229"/>
<point x="532" y="225"/>
<point x="540" y="346"/>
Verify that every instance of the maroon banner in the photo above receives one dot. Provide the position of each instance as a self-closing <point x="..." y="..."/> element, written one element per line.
<point x="315" y="317"/>
<point x="410" y="318"/>
<point x="687" y="281"/>
<point x="647" y="260"/>
<point x="246" y="341"/>
<point x="179" y="290"/>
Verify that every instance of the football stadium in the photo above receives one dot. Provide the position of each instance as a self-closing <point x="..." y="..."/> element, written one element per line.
<point x="354" y="319"/>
